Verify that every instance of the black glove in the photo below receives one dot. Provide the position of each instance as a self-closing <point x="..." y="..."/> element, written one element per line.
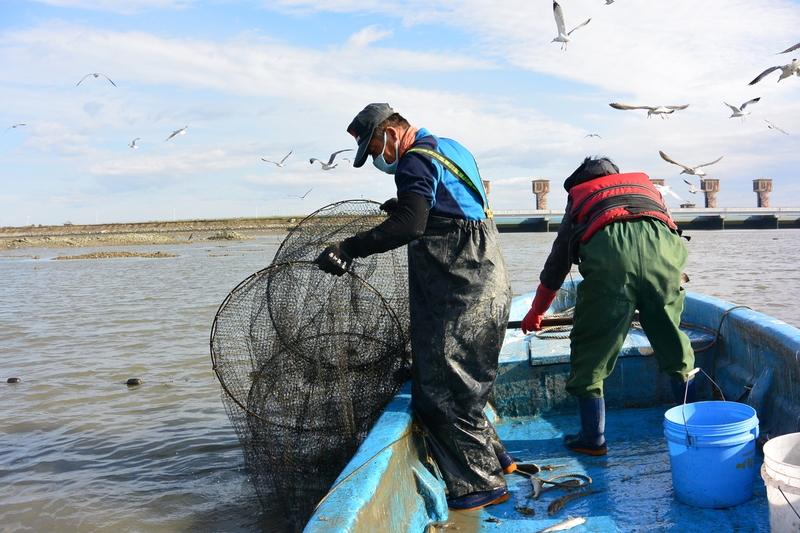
<point x="390" y="206"/>
<point x="334" y="260"/>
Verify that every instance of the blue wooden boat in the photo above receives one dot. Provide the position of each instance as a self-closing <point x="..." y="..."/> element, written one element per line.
<point x="391" y="485"/>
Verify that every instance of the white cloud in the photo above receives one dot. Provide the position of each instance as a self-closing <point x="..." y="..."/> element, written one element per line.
<point x="496" y="84"/>
<point x="368" y="35"/>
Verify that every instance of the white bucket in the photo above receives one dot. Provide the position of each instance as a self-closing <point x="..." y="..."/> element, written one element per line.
<point x="781" y="475"/>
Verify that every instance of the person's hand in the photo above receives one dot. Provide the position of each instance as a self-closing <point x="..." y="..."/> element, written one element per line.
<point x="541" y="303"/>
<point x="532" y="321"/>
<point x="334" y="260"/>
<point x="389" y="206"/>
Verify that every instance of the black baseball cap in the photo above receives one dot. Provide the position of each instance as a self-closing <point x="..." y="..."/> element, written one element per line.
<point x="363" y="126"/>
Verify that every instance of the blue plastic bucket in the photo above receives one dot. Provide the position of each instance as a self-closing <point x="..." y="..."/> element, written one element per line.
<point x="712" y="449"/>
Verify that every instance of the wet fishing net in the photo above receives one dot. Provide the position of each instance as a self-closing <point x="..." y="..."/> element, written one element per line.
<point x="308" y="361"/>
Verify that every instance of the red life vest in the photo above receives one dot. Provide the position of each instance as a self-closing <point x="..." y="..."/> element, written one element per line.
<point x="601" y="201"/>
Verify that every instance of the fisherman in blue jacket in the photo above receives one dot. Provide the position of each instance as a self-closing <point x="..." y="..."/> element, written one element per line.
<point x="459" y="294"/>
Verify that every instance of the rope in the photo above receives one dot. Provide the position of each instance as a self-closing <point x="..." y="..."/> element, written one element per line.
<point x="717" y="390"/>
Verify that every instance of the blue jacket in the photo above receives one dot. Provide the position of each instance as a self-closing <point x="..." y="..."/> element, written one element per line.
<point x="424" y="188"/>
<point x="448" y="196"/>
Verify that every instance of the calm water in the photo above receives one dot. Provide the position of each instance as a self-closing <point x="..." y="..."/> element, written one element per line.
<point x="81" y="452"/>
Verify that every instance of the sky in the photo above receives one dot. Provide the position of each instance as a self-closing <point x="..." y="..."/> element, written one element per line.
<point x="260" y="79"/>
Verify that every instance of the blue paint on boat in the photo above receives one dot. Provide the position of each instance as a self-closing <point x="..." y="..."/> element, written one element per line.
<point x="391" y="484"/>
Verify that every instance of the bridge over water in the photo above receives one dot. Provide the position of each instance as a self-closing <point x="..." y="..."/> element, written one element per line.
<point x="542" y="220"/>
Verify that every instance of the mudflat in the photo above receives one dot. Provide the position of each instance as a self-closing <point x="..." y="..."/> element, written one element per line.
<point x="141" y="233"/>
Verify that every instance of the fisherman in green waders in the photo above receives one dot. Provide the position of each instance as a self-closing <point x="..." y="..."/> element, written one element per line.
<point x="618" y="230"/>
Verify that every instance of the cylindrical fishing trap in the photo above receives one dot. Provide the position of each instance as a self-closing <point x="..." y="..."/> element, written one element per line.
<point x="308" y="361"/>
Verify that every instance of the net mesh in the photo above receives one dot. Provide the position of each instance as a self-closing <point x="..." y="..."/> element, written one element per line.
<point x="308" y="361"/>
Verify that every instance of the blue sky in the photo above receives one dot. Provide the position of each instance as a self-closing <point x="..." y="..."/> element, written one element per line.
<point x="258" y="79"/>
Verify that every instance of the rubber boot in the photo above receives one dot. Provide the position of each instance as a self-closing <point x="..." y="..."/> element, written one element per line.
<point x="683" y="390"/>
<point x="591" y="438"/>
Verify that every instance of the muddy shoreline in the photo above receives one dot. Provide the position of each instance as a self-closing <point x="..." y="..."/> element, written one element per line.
<point x="140" y="233"/>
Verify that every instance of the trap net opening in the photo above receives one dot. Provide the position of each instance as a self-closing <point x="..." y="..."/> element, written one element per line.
<point x="308" y="361"/>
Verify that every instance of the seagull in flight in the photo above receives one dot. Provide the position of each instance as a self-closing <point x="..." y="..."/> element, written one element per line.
<point x="666" y="189"/>
<point x="563" y="34"/>
<point x="772" y="126"/>
<point x="790" y="49"/>
<point x="133" y="143"/>
<point x="181" y="131"/>
<point x="739" y="111"/>
<point x="329" y="165"/>
<point x="14" y="126"/>
<point x="695" y="171"/>
<point x="786" y="71"/>
<point x="306" y="194"/>
<point x="662" y="110"/>
<point x="592" y="135"/>
<point x="692" y="188"/>
<point x="282" y="160"/>
<point x="96" y="75"/>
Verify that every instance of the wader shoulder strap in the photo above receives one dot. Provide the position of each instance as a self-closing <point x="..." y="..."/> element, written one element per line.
<point x="456" y="171"/>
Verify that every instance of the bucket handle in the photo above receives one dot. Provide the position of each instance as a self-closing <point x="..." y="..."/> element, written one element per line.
<point x="691" y="440"/>
<point x="787" y="501"/>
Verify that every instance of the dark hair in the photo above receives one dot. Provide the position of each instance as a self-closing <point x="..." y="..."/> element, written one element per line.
<point x="592" y="167"/>
<point x="395" y="120"/>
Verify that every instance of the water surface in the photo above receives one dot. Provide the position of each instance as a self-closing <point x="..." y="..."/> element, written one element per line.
<point x="82" y="452"/>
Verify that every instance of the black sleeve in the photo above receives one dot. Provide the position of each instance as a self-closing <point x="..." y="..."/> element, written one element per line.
<point x="557" y="266"/>
<point x="403" y="226"/>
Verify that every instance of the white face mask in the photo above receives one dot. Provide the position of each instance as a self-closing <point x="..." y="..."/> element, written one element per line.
<point x="380" y="162"/>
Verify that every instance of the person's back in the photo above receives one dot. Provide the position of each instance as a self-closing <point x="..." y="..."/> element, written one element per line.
<point x="617" y="229"/>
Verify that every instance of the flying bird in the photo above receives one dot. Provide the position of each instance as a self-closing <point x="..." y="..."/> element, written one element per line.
<point x="772" y="126"/>
<point x="609" y="2"/>
<point x="563" y="34"/>
<point x="181" y="131"/>
<point x="666" y="189"/>
<point x="282" y="160"/>
<point x="790" y="49"/>
<point x="329" y="165"/>
<point x="739" y="111"/>
<point x="692" y="188"/>
<point x="786" y="71"/>
<point x="592" y="135"/>
<point x="687" y="170"/>
<point x="662" y="110"/>
<point x="306" y="194"/>
<point x="14" y="126"/>
<point x="96" y="75"/>
<point x="133" y="143"/>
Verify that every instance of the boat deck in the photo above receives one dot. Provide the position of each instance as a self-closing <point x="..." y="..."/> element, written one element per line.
<point x="634" y="477"/>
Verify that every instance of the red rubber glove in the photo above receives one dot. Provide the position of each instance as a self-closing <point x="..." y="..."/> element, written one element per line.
<point x="541" y="303"/>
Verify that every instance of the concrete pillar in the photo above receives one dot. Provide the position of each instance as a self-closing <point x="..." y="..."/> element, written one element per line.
<point x="762" y="187"/>
<point x="710" y="187"/>
<point x="540" y="189"/>
<point x="658" y="181"/>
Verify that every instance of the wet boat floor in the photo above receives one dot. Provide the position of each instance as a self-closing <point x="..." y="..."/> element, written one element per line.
<point x="634" y="479"/>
